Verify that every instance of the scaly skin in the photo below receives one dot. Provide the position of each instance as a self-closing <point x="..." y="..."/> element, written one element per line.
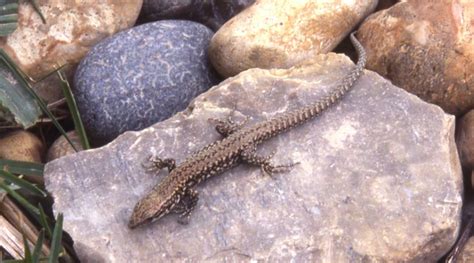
<point x="175" y="194"/>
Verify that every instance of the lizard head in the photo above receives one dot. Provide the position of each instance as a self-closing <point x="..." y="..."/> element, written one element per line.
<point x="150" y="208"/>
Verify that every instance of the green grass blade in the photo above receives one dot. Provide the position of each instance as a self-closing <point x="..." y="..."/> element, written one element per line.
<point x="12" y="187"/>
<point x="37" y="10"/>
<point x="27" y="250"/>
<point x="4" y="2"/>
<point x="20" y="199"/>
<point x="25" y="168"/>
<point x="21" y="78"/>
<point x="17" y="105"/>
<point x="35" y="257"/>
<point x="9" y="7"/>
<point x="7" y="28"/>
<point x="56" y="246"/>
<point x="44" y="221"/>
<point x="13" y="18"/>
<point x="8" y="17"/>
<point x="13" y="261"/>
<point x="76" y="117"/>
<point x="22" y="183"/>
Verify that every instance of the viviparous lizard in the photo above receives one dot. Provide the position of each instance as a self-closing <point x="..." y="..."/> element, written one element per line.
<point x="175" y="193"/>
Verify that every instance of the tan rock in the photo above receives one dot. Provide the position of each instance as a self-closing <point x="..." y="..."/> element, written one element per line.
<point x="427" y="48"/>
<point x="71" y="28"/>
<point x="281" y="34"/>
<point x="21" y="146"/>
<point x="465" y="139"/>
<point x="61" y="146"/>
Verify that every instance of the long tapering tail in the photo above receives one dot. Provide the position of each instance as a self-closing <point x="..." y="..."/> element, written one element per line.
<point x="300" y="116"/>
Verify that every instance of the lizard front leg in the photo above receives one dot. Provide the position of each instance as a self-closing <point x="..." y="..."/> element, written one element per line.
<point x="228" y="126"/>
<point x="250" y="156"/>
<point x="155" y="164"/>
<point x="186" y="205"/>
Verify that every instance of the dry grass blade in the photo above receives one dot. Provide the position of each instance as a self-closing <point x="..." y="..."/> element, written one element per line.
<point x="10" y="239"/>
<point x="20" y="199"/>
<point x="18" y="225"/>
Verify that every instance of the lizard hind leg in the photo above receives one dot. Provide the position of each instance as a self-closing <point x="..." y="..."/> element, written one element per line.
<point x="250" y="156"/>
<point x="186" y="205"/>
<point x="155" y="164"/>
<point x="226" y="127"/>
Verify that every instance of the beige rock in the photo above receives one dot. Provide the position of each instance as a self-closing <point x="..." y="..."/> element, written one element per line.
<point x="21" y="146"/>
<point x="281" y="34"/>
<point x="379" y="179"/>
<point x="465" y="139"/>
<point x="71" y="28"/>
<point x="427" y="48"/>
<point x="61" y="146"/>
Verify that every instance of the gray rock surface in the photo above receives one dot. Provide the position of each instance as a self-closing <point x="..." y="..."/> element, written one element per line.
<point x="141" y="76"/>
<point x="213" y="13"/>
<point x="379" y="179"/>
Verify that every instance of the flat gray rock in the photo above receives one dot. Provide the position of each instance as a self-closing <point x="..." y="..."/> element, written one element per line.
<point x="379" y="178"/>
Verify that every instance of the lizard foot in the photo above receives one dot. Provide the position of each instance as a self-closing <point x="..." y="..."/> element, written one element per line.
<point x="250" y="156"/>
<point x="155" y="164"/>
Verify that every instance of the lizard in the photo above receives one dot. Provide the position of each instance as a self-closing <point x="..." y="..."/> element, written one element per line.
<point x="176" y="194"/>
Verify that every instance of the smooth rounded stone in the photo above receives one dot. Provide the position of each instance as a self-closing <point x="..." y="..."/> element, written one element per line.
<point x="465" y="139"/>
<point x="142" y="76"/>
<point x="281" y="34"/>
<point x="21" y="146"/>
<point x="61" y="147"/>
<point x="425" y="48"/>
<point x="71" y="29"/>
<point x="210" y="13"/>
<point x="378" y="178"/>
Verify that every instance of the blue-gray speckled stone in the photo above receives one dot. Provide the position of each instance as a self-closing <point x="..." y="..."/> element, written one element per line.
<point x="142" y="76"/>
